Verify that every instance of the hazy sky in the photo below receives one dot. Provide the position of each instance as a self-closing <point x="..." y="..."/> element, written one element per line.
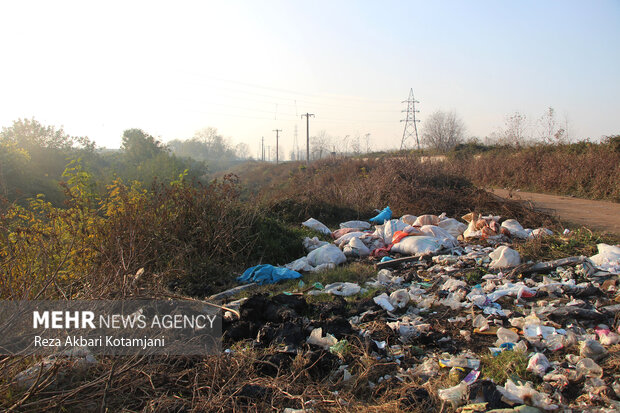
<point x="248" y="67"/>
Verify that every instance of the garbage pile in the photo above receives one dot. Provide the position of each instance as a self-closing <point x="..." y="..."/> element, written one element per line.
<point x="451" y="299"/>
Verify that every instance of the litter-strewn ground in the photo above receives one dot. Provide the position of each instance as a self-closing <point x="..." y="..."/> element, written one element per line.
<point x="472" y="315"/>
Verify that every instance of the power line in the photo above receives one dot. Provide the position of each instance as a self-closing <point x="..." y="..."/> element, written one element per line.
<point x="411" y="127"/>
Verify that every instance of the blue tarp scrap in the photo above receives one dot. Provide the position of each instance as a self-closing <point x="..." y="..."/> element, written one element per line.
<point x="267" y="274"/>
<point x="383" y="216"/>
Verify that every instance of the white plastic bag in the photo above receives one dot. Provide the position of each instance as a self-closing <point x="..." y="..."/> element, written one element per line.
<point x="344" y="289"/>
<point x="317" y="226"/>
<point x="452" y="226"/>
<point x="355" y="224"/>
<point x="515" y="229"/>
<point x="310" y="244"/>
<point x="503" y="257"/>
<point x="447" y="240"/>
<point x="300" y="264"/>
<point x="418" y="245"/>
<point x="383" y="301"/>
<point x="327" y="254"/>
<point x="356" y="248"/>
<point x="316" y="338"/>
<point x="608" y="258"/>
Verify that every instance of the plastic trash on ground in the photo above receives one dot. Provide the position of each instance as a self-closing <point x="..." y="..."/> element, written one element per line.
<point x="356" y="248"/>
<point x="317" y="226"/>
<point x="300" y="264"/>
<point x="515" y="229"/>
<point x="383" y="301"/>
<point x="505" y="335"/>
<point x="447" y="240"/>
<point x="355" y="224"/>
<point x="326" y="254"/>
<point x="343" y="240"/>
<point x="519" y="393"/>
<point x="399" y="298"/>
<point x="417" y="245"/>
<point x="538" y="364"/>
<point x="503" y="257"/>
<point x="342" y="288"/>
<point x="267" y="274"/>
<point x="588" y="368"/>
<point x="540" y="232"/>
<point x="383" y="216"/>
<point x="592" y="349"/>
<point x="452" y="226"/>
<point x="608" y="258"/>
<point x="426" y="220"/>
<point x="316" y="338"/>
<point x="455" y="395"/>
<point x="310" y="244"/>
<point x="408" y="219"/>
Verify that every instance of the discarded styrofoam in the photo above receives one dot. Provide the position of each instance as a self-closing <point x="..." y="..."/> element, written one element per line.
<point x="342" y="288"/>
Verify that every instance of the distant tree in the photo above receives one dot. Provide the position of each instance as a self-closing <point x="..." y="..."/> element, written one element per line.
<point x="242" y="151"/>
<point x="443" y="130"/>
<point x="516" y="131"/>
<point x="30" y="134"/>
<point x="549" y="132"/>
<point x="139" y="145"/>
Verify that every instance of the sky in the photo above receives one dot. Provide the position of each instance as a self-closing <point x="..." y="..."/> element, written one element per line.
<point x="248" y="67"/>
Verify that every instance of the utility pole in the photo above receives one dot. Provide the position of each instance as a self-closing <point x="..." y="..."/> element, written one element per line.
<point x="307" y="115"/>
<point x="411" y="122"/>
<point x="277" y="144"/>
<point x="262" y="145"/>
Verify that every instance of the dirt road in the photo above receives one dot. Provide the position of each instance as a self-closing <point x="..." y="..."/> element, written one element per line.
<point x="598" y="215"/>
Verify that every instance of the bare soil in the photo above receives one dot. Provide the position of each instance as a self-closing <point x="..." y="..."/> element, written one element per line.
<point x="597" y="215"/>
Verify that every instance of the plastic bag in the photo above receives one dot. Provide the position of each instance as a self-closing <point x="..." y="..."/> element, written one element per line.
<point x="327" y="254"/>
<point x="356" y="248"/>
<point x="538" y="364"/>
<point x="383" y="301"/>
<point x="344" y="289"/>
<point x="316" y="338"/>
<point x="417" y="245"/>
<point x="592" y="349"/>
<point x="505" y="335"/>
<point x="503" y="257"/>
<point x="355" y="224"/>
<point x="455" y="395"/>
<point x="408" y="219"/>
<point x="310" y="244"/>
<point x="426" y="220"/>
<point x="515" y="229"/>
<point x="267" y="274"/>
<point x="300" y="264"/>
<point x="383" y="216"/>
<point x="344" y="240"/>
<point x="588" y="367"/>
<point x="608" y="258"/>
<point x="452" y="226"/>
<point x="447" y="240"/>
<point x="399" y="298"/>
<point x="317" y="226"/>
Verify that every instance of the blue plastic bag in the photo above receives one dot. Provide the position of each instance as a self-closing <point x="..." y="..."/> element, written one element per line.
<point x="383" y="216"/>
<point x="267" y="274"/>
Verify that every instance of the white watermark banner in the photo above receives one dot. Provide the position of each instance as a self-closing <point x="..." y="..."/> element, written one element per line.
<point x="119" y="327"/>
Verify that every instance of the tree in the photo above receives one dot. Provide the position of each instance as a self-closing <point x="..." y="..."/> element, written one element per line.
<point x="516" y="131"/>
<point x="443" y="130"/>
<point x="139" y="145"/>
<point x="548" y="130"/>
<point x="242" y="151"/>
